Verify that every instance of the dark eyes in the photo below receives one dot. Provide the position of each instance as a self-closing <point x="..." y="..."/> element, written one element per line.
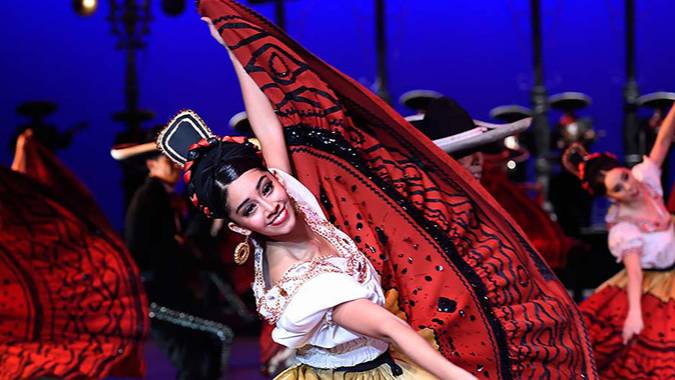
<point x="266" y="190"/>
<point x="619" y="187"/>
<point x="248" y="210"/>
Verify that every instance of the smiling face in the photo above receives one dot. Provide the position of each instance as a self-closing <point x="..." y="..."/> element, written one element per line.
<point x="621" y="185"/>
<point x="258" y="202"/>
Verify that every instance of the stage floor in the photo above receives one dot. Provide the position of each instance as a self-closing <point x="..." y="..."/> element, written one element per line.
<point x="243" y="362"/>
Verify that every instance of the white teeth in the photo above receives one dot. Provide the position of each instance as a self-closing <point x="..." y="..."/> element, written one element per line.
<point x="278" y="216"/>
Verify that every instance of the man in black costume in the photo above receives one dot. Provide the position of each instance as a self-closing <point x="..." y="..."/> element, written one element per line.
<point x="154" y="233"/>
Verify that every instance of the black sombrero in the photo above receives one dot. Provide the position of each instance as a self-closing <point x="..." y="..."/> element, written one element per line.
<point x="418" y="100"/>
<point x="661" y="100"/>
<point x="138" y="151"/>
<point x="240" y="123"/>
<point x="453" y="130"/>
<point x="510" y="113"/>
<point x="569" y="101"/>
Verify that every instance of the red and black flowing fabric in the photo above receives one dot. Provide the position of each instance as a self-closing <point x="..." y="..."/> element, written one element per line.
<point x="649" y="355"/>
<point x="462" y="268"/>
<point x="39" y="163"/>
<point x="71" y="302"/>
<point x="546" y="236"/>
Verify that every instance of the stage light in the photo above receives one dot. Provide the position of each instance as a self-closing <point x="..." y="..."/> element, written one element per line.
<point x="173" y="7"/>
<point x="511" y="164"/>
<point x="85" y="7"/>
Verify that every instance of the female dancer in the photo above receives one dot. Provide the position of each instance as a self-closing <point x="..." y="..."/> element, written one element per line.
<point x="464" y="274"/>
<point x="310" y="278"/>
<point x="630" y="316"/>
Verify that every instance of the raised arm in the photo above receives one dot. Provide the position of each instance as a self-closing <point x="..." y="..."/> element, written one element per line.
<point x="664" y="138"/>
<point x="264" y="122"/>
<point x="367" y="318"/>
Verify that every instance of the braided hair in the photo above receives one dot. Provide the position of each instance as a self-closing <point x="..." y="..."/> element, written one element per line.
<point x="212" y="165"/>
<point x="589" y="168"/>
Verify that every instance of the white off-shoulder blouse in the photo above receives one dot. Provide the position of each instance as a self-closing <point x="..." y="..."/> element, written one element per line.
<point x="301" y="303"/>
<point x="656" y="241"/>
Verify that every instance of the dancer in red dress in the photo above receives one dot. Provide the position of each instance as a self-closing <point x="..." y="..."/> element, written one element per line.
<point x="463" y="272"/>
<point x="72" y="303"/>
<point x="630" y="316"/>
<point x="545" y="234"/>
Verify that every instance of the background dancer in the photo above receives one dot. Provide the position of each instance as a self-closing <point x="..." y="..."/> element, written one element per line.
<point x="630" y="315"/>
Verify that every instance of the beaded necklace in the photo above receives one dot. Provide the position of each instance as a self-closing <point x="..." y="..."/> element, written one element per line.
<point x="347" y="259"/>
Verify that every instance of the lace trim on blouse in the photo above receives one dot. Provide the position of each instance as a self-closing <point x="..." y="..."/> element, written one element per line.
<point x="272" y="302"/>
<point x="663" y="223"/>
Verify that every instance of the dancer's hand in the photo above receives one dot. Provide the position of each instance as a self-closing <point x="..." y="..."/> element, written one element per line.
<point x="632" y="326"/>
<point x="214" y="32"/>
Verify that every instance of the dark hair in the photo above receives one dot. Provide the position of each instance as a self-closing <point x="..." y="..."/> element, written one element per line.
<point x="213" y="168"/>
<point x="590" y="168"/>
<point x="154" y="155"/>
<point x="595" y="170"/>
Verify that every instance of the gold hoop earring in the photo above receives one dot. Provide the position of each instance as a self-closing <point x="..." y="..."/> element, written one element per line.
<point x="242" y="251"/>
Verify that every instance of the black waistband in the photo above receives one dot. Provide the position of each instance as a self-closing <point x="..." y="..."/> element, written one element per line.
<point x="666" y="269"/>
<point x="385" y="358"/>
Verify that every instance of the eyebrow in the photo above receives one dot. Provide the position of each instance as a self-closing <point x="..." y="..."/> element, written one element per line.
<point x="257" y="187"/>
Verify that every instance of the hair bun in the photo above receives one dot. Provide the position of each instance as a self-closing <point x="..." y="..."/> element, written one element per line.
<point x="573" y="157"/>
<point x="217" y="165"/>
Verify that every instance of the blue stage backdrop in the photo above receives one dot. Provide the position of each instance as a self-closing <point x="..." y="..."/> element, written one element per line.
<point x="476" y="51"/>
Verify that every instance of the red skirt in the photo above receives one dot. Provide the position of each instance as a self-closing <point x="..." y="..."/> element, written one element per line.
<point x="71" y="302"/>
<point x="650" y="355"/>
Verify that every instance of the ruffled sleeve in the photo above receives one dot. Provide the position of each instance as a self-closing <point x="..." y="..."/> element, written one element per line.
<point x="623" y="237"/>
<point x="308" y="316"/>
<point x="649" y="173"/>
